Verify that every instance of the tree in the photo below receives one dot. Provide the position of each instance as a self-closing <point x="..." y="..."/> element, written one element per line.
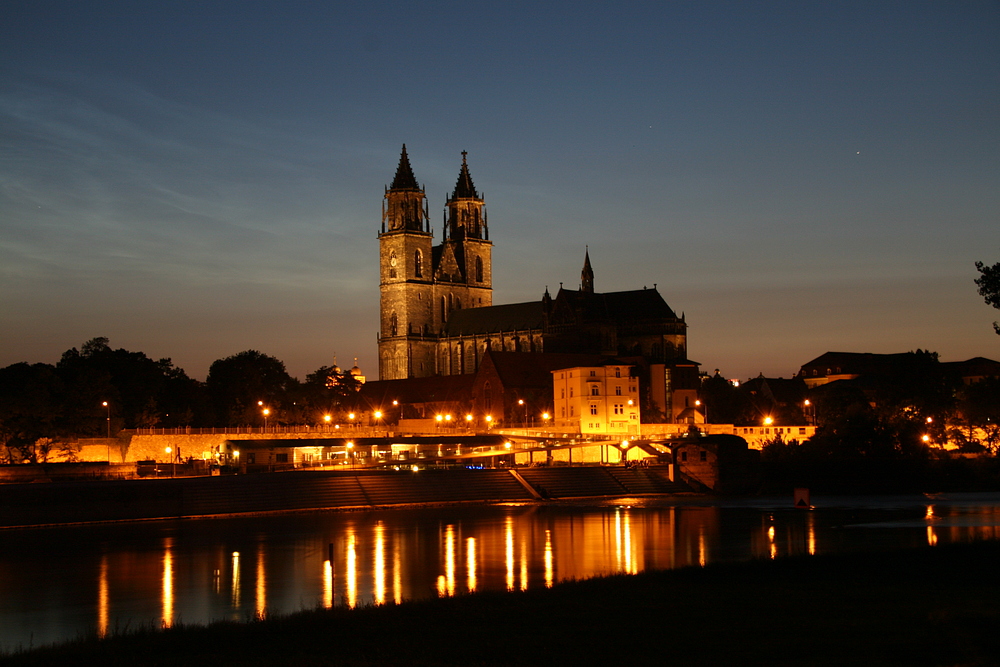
<point x="989" y="286"/>
<point x="236" y="384"/>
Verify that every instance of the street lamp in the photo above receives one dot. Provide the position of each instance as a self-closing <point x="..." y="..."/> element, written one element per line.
<point x="489" y="421"/>
<point x="768" y="421"/>
<point x="350" y="452"/>
<point x="108" y="406"/>
<point x="173" y="469"/>
<point x="266" y="413"/>
<point x="378" y="416"/>
<point x="704" y="410"/>
<point x="520" y="402"/>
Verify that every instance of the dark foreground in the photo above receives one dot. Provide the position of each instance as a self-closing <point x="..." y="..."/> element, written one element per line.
<point x="933" y="606"/>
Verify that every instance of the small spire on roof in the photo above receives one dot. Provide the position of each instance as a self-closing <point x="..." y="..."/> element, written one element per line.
<point x="587" y="275"/>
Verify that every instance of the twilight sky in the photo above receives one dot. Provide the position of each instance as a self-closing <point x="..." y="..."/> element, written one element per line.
<point x="196" y="179"/>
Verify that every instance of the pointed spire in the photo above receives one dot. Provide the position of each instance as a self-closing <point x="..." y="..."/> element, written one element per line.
<point x="464" y="189"/>
<point x="404" y="179"/>
<point x="587" y="275"/>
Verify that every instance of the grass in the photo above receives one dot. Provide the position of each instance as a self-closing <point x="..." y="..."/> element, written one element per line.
<point x="931" y="606"/>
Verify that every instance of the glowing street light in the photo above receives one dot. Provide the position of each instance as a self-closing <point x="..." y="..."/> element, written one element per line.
<point x="489" y="421"/>
<point x="350" y="452"/>
<point x="173" y="468"/>
<point x="108" y="406"/>
<point x="768" y="421"/>
<point x="704" y="409"/>
<point x="266" y="412"/>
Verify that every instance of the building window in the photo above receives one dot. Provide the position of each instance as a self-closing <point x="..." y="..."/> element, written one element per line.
<point x="595" y="390"/>
<point x="619" y="408"/>
<point x="418" y="265"/>
<point x="281" y="458"/>
<point x="571" y="392"/>
<point x="593" y="408"/>
<point x="479" y="269"/>
<point x="618" y="372"/>
<point x="393" y="325"/>
<point x="251" y="458"/>
<point x="571" y="411"/>
<point x="618" y="391"/>
<point x="684" y="456"/>
<point x="593" y="373"/>
<point x="562" y="411"/>
<point x="703" y="455"/>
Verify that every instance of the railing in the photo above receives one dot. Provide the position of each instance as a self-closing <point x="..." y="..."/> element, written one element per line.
<point x="348" y="430"/>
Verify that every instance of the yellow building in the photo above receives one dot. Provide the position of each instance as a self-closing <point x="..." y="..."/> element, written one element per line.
<point x="596" y="399"/>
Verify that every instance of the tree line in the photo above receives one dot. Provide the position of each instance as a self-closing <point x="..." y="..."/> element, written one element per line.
<point x="95" y="390"/>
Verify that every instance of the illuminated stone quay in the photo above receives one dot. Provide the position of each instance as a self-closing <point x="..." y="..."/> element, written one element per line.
<point x="126" y="500"/>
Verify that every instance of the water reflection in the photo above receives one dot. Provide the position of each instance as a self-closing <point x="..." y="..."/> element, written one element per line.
<point x="163" y="572"/>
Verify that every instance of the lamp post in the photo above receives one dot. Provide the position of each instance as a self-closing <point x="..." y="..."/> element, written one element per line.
<point x="266" y="413"/>
<point x="173" y="470"/>
<point x="704" y="410"/>
<point x="545" y="419"/>
<point x="520" y="402"/>
<point x="489" y="422"/>
<point x="378" y="418"/>
<point x="350" y="452"/>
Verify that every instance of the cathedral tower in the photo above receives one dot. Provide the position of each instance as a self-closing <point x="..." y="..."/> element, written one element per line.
<point x="422" y="284"/>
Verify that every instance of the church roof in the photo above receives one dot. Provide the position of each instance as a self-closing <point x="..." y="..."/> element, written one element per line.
<point x="464" y="189"/>
<point x="404" y="179"/>
<point x="534" y="369"/>
<point x="434" y="389"/>
<point x="494" y="319"/>
<point x="643" y="304"/>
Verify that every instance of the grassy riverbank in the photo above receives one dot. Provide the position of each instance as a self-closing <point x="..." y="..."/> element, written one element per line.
<point x="932" y="606"/>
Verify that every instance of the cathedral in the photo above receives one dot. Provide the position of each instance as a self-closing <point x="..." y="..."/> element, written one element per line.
<point x="437" y="313"/>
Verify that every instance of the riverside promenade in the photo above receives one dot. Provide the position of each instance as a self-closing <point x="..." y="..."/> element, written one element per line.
<point x="58" y="503"/>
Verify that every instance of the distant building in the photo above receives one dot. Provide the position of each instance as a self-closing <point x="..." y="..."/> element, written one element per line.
<point x="597" y="399"/>
<point x="834" y="366"/>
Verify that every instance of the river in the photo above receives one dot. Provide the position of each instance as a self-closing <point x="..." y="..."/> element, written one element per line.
<point x="60" y="583"/>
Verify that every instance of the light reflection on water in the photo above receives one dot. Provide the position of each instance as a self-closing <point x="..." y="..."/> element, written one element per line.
<point x="60" y="583"/>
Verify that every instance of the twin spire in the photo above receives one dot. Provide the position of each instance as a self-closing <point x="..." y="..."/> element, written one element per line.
<point x="405" y="180"/>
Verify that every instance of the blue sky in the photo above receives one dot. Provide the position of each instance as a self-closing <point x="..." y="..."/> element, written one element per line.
<point x="196" y="179"/>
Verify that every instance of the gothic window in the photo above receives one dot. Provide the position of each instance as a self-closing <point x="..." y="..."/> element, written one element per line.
<point x="444" y="310"/>
<point x="418" y="265"/>
<point x="392" y="264"/>
<point x="487" y="397"/>
<point x="479" y="269"/>
<point x="393" y="324"/>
